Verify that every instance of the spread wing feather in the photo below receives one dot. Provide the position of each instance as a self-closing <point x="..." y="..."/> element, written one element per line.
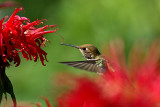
<point x="88" y="65"/>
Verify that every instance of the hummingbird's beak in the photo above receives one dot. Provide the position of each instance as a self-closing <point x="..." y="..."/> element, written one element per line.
<point x="70" y="45"/>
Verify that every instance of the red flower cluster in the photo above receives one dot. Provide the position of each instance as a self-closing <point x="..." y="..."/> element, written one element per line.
<point x="18" y="34"/>
<point x="135" y="86"/>
<point x="86" y="94"/>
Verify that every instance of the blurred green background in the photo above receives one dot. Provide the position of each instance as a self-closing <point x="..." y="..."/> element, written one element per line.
<point x="80" y="22"/>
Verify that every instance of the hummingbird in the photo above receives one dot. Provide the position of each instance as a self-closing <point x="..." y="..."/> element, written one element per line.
<point x="94" y="62"/>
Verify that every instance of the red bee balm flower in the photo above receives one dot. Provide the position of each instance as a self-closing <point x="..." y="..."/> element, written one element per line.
<point x="18" y="34"/>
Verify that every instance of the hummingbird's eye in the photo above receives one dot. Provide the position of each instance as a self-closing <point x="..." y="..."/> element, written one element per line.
<point x="84" y="49"/>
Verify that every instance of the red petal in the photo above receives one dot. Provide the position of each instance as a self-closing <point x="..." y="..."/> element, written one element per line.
<point x="10" y="20"/>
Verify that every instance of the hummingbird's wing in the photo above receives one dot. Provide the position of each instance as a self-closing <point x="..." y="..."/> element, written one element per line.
<point x="88" y="65"/>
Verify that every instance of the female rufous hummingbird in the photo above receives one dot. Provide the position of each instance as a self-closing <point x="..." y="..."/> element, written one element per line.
<point x="94" y="62"/>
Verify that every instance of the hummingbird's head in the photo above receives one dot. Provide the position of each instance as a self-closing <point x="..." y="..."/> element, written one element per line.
<point x="89" y="51"/>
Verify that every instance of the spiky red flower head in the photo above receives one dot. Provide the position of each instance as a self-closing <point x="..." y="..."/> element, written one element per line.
<point x="18" y="34"/>
<point x="136" y="85"/>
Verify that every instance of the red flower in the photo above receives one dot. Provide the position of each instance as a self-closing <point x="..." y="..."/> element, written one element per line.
<point x="18" y="34"/>
<point x="135" y="86"/>
<point x="86" y="94"/>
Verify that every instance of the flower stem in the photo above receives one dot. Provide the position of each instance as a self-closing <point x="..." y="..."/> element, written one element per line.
<point x="6" y="86"/>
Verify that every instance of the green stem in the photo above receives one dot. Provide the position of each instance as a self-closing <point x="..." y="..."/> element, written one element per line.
<point x="6" y="86"/>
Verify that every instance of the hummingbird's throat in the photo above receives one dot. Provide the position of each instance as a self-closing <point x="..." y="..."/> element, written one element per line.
<point x="87" y="55"/>
<point x="82" y="53"/>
